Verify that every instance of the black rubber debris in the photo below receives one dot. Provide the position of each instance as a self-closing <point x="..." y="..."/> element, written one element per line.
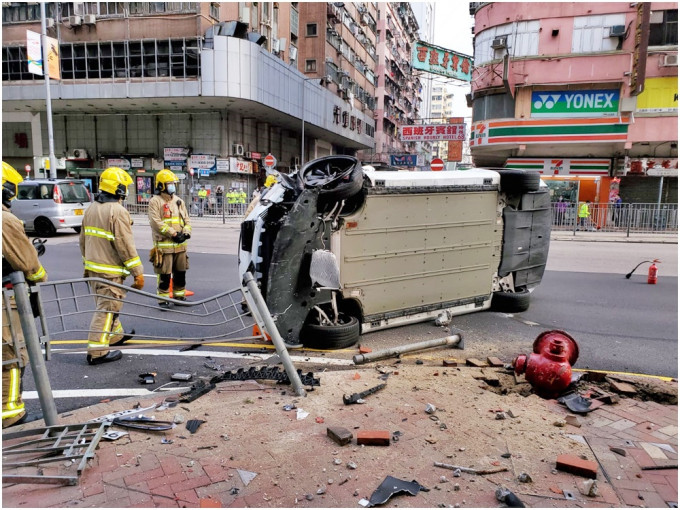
<point x="192" y="425"/>
<point x="392" y="487"/>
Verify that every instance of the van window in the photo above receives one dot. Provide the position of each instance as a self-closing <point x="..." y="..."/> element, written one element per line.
<point x="27" y="192"/>
<point x="73" y="192"/>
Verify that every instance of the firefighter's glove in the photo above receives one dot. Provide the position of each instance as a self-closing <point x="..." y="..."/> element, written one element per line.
<point x="39" y="245"/>
<point x="139" y="282"/>
<point x="186" y="235"/>
<point x="35" y="307"/>
<point x="179" y="238"/>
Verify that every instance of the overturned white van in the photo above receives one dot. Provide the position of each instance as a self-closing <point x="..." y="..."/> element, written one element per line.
<point x="338" y="250"/>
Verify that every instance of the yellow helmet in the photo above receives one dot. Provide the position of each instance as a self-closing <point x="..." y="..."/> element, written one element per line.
<point x="10" y="179"/>
<point x="163" y="178"/>
<point x="115" y="181"/>
<point x="271" y="180"/>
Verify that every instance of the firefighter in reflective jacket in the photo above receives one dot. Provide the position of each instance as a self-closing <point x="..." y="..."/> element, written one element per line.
<point x="109" y="252"/>
<point x="170" y="229"/>
<point x="18" y="254"/>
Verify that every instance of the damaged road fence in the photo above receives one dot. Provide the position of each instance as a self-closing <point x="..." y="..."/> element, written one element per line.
<point x="67" y="307"/>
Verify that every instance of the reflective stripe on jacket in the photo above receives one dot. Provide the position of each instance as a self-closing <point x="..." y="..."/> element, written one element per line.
<point x="583" y="211"/>
<point x="106" y="242"/>
<point x="168" y="216"/>
<point x="17" y="250"/>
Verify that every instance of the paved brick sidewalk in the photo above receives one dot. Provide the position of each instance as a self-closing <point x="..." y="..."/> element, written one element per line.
<point x="247" y="434"/>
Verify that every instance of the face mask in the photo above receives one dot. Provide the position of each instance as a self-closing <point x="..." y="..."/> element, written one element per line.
<point x="171" y="189"/>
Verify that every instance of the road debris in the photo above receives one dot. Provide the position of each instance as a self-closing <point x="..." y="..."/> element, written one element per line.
<point x="246" y="476"/>
<point x="351" y="465"/>
<point x="357" y="398"/>
<point x="430" y="408"/>
<point x="618" y="451"/>
<point x="577" y="466"/>
<point x="455" y="341"/>
<point x="374" y="437"/>
<point x="340" y="435"/>
<point x="392" y="487"/>
<point x="181" y="377"/>
<point x="576" y="403"/>
<point x="505" y="496"/>
<point x="573" y="420"/>
<point x="470" y="470"/>
<point x="524" y="477"/>
<point x="113" y="435"/>
<point x="192" y="425"/>
<point x="589" y="488"/>
<point x="301" y="414"/>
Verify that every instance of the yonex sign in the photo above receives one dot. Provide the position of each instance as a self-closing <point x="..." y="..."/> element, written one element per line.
<point x="575" y="103"/>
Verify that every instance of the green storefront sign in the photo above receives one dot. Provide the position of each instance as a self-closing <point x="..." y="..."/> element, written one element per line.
<point x="575" y="103"/>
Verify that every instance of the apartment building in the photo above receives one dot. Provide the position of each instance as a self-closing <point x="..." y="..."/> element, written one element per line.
<point x="205" y="88"/>
<point x="579" y="89"/>
<point x="398" y="89"/>
<point x="441" y="111"/>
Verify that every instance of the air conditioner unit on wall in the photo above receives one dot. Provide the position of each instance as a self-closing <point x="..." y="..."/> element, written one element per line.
<point x="75" y="21"/>
<point x="670" y="60"/>
<point x="90" y="19"/>
<point x="499" y="43"/>
<point x="79" y="154"/>
<point x="617" y="31"/>
<point x="237" y="149"/>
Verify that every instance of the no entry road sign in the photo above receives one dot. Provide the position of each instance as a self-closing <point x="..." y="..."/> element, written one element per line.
<point x="437" y="164"/>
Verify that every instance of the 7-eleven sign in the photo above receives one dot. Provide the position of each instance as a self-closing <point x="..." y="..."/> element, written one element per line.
<point x="556" y="166"/>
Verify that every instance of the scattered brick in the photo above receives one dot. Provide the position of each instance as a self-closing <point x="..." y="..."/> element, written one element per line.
<point x="494" y="361"/>
<point x="622" y="387"/>
<point x="209" y="503"/>
<point x="491" y="378"/>
<point x="374" y="437"/>
<point x="340" y="435"/>
<point x="609" y="398"/>
<point x="577" y="466"/>
<point x="450" y="363"/>
<point x="474" y="362"/>
<point x="596" y="376"/>
<point x="364" y="350"/>
<point x="573" y="420"/>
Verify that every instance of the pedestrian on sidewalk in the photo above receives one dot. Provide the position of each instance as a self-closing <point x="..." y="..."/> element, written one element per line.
<point x="202" y="196"/>
<point x="170" y="231"/>
<point x="219" y="194"/>
<point x="560" y="210"/>
<point x="584" y="216"/>
<point x="108" y="250"/>
<point x="18" y="254"/>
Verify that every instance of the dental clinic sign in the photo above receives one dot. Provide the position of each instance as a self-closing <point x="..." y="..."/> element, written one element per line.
<point x="575" y="103"/>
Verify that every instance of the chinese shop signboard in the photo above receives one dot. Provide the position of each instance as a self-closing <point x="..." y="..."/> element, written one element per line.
<point x="437" y="60"/>
<point x="426" y="132"/>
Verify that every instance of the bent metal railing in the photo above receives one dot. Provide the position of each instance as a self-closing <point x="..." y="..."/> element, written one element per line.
<point x="67" y="306"/>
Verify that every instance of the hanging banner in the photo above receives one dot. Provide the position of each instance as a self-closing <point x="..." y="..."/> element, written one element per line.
<point x="575" y="103"/>
<point x="34" y="53"/>
<point x="438" y="60"/>
<point x="53" y="67"/>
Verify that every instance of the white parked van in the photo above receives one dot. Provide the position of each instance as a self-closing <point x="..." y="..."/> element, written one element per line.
<point x="340" y="251"/>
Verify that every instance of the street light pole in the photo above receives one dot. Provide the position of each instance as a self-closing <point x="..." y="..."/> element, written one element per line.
<point x="48" y="95"/>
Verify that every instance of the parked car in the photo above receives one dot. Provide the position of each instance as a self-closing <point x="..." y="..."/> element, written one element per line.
<point x="339" y="250"/>
<point x="46" y="205"/>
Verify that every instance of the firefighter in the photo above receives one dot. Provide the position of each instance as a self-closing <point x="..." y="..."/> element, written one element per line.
<point x="109" y="252"/>
<point x="18" y="254"/>
<point x="170" y="229"/>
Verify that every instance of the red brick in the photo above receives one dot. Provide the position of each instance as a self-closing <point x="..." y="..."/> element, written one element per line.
<point x="666" y="492"/>
<point x="170" y="465"/>
<point x="576" y="465"/>
<point x="653" y="500"/>
<point x="630" y="497"/>
<point x="474" y="362"/>
<point x="365" y="350"/>
<point x="494" y="361"/>
<point x="166" y="480"/>
<point x="188" y="497"/>
<point x="143" y="476"/>
<point x="92" y="489"/>
<point x="374" y="437"/>
<point x="191" y="483"/>
<point x="209" y="503"/>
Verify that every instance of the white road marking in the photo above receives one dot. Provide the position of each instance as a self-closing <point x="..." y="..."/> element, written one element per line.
<point x="103" y="392"/>
<point x="231" y="355"/>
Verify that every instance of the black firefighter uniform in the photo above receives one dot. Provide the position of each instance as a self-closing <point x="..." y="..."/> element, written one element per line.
<point x="109" y="252"/>
<point x="168" y="216"/>
<point x="18" y="254"/>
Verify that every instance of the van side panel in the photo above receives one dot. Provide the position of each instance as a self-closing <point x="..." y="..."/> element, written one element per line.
<point x="413" y="251"/>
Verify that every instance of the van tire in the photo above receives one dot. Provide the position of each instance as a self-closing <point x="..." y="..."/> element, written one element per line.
<point x="511" y="302"/>
<point x="516" y="181"/>
<point x="346" y="334"/>
<point x="44" y="227"/>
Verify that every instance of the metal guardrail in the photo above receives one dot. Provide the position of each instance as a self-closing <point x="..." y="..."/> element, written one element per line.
<point x="212" y="208"/>
<point x="622" y="218"/>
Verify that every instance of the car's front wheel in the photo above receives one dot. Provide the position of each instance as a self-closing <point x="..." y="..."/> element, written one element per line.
<point x="44" y="227"/>
<point x="333" y="336"/>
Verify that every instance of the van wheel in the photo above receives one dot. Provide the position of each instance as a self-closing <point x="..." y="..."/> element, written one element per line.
<point x="44" y="227"/>
<point x="337" y="177"/>
<point x="77" y="229"/>
<point x="519" y="181"/>
<point x="334" y="336"/>
<point x="511" y="302"/>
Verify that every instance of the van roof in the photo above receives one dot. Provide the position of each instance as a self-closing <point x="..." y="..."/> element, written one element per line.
<point x="471" y="177"/>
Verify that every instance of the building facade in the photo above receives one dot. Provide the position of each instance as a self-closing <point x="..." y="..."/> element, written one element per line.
<point x="398" y="89"/>
<point x="206" y="89"/>
<point x="441" y="111"/>
<point x="579" y="89"/>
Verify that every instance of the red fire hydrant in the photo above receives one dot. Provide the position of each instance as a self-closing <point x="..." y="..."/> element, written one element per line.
<point x="548" y="368"/>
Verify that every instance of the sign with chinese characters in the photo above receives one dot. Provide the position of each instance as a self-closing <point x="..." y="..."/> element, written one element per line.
<point x="119" y="162"/>
<point x="407" y="160"/>
<point x="241" y="167"/>
<point x="202" y="161"/>
<point x="640" y="41"/>
<point x="175" y="153"/>
<point x="575" y="103"/>
<point x="424" y="132"/>
<point x="438" y="60"/>
<point x="656" y="167"/>
<point x="222" y="166"/>
<point x="137" y="163"/>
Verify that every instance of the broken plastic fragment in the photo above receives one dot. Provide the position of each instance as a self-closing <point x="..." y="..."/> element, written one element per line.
<point x="289" y="407"/>
<point x="505" y="496"/>
<point x="576" y="403"/>
<point x="393" y="486"/>
<point x="302" y="414"/>
<point x="246" y="476"/>
<point x="192" y="425"/>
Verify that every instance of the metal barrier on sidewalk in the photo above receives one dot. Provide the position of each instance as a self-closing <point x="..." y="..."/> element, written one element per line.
<point x="211" y="208"/>
<point x="627" y="219"/>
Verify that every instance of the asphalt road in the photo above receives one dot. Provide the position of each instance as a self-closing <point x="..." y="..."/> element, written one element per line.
<point x="619" y="324"/>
